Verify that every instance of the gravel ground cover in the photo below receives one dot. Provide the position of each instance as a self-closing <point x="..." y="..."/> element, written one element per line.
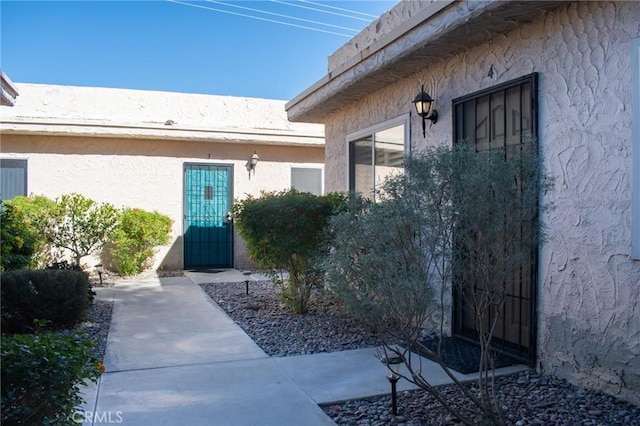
<point x="326" y="328"/>
<point x="528" y="398"/>
<point x="96" y="327"/>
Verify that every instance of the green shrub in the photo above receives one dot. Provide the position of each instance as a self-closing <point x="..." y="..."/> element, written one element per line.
<point x="41" y="378"/>
<point x="138" y="233"/>
<point x="40" y="215"/>
<point x="17" y="241"/>
<point x="283" y="231"/>
<point x="58" y="297"/>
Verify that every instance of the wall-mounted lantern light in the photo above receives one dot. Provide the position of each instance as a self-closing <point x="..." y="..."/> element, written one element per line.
<point x="424" y="108"/>
<point x="253" y="161"/>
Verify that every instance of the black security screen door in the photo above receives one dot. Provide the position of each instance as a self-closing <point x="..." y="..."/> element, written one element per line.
<point x="500" y="118"/>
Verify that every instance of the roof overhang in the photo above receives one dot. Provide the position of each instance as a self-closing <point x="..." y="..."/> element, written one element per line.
<point x="438" y="31"/>
<point x="8" y="91"/>
<point x="98" y="112"/>
<point x="161" y="132"/>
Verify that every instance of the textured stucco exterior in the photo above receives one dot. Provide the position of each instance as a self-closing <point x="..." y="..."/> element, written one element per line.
<point x="589" y="286"/>
<point x="119" y="150"/>
<point x="386" y="24"/>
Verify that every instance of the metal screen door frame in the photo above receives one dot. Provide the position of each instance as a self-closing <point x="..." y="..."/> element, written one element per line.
<point x="207" y="202"/>
<point x="521" y="305"/>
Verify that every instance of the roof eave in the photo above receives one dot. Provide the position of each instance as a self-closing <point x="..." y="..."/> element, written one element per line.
<point x="245" y="136"/>
<point x="440" y="30"/>
<point x="8" y="91"/>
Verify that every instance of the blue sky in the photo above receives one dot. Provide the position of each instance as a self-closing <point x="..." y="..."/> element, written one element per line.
<point x="170" y="46"/>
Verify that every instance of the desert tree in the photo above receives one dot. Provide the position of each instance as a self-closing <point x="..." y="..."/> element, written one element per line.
<point x="456" y="219"/>
<point x="86" y="225"/>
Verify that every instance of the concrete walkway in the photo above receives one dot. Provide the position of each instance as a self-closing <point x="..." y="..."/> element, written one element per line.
<point x="175" y="358"/>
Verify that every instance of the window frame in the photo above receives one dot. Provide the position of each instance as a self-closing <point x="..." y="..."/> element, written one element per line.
<point x="351" y="138"/>
<point x="24" y="162"/>
<point x="309" y="167"/>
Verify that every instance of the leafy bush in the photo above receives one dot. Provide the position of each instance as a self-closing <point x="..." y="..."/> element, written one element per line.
<point x="136" y="236"/>
<point x="40" y="215"/>
<point x="381" y="264"/>
<point x="283" y="231"/>
<point x="58" y="297"/>
<point x="36" y="231"/>
<point x="17" y="241"/>
<point x="86" y="227"/>
<point x="41" y="377"/>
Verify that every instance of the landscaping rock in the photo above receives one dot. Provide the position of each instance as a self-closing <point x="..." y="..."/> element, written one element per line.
<point x="527" y="398"/>
<point x="279" y="332"/>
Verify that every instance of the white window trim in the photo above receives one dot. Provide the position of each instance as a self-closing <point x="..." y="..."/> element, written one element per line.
<point x="635" y="167"/>
<point x="10" y="157"/>
<point x="20" y="158"/>
<point x="309" y="166"/>
<point x="403" y="119"/>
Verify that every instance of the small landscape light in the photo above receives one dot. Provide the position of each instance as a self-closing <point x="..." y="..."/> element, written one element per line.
<point x="99" y="271"/>
<point x="393" y="364"/>
<point x="247" y="276"/>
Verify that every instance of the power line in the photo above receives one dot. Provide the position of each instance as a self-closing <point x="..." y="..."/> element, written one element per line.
<point x="339" y="8"/>
<point x="261" y="19"/>
<point x="282" y="16"/>
<point x="322" y="11"/>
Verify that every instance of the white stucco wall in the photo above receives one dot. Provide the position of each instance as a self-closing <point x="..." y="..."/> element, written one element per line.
<point x="589" y="287"/>
<point x="148" y="174"/>
<point x="113" y="145"/>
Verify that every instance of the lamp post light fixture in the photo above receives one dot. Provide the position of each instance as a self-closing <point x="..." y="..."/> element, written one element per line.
<point x="393" y="364"/>
<point x="100" y="271"/>
<point x="424" y="107"/>
<point x="247" y="278"/>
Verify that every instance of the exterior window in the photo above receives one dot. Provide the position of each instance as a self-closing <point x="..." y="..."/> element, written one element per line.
<point x="13" y="178"/>
<point x="500" y="116"/>
<point x="375" y="154"/>
<point x="307" y="180"/>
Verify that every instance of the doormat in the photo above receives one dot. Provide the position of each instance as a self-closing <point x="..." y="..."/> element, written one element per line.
<point x="461" y="356"/>
<point x="207" y="270"/>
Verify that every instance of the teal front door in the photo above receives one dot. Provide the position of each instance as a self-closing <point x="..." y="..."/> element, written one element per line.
<point x="208" y="232"/>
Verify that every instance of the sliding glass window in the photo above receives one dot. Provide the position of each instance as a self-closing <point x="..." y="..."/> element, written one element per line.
<point x="375" y="154"/>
